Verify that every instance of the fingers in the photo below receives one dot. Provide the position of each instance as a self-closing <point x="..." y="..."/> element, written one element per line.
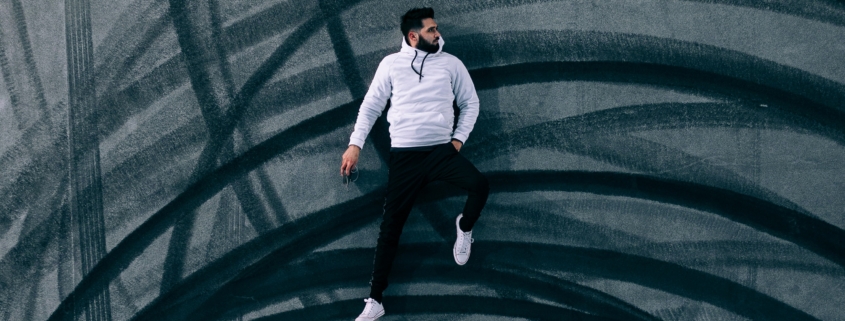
<point x="350" y="158"/>
<point x="349" y="166"/>
<point x="457" y="145"/>
<point x="346" y="167"/>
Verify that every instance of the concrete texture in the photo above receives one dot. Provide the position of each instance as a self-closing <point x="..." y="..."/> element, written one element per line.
<point x="648" y="159"/>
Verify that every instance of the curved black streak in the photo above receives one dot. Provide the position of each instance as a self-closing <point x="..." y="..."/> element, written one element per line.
<point x="416" y="264"/>
<point x="136" y="17"/>
<point x="322" y="271"/>
<point x="121" y="54"/>
<point x="669" y="277"/>
<point x="648" y="117"/>
<point x="266" y="71"/>
<point x="651" y="117"/>
<point x="47" y="158"/>
<point x="621" y="58"/>
<point x="193" y="44"/>
<point x="269" y="190"/>
<point x="38" y="140"/>
<point x="610" y="56"/>
<point x="818" y="269"/>
<point x="805" y="100"/>
<point x="548" y="72"/>
<point x="323" y="123"/>
<point x="39" y="228"/>
<point x="625" y="58"/>
<point x="796" y="100"/>
<point x="181" y="139"/>
<point x="508" y="216"/>
<point x="807" y="232"/>
<point x="811" y="233"/>
<point x="259" y="286"/>
<point x="351" y="75"/>
<point x="775" y="255"/>
<point x="21" y="262"/>
<point x="172" y="148"/>
<point x="341" y="219"/>
<point x="152" y="34"/>
<point x="256" y="151"/>
<point x="736" y="253"/>
<point x="168" y="76"/>
<point x="197" y="33"/>
<point x="439" y="304"/>
<point x="832" y="12"/>
<point x="256" y="81"/>
<point x="14" y="95"/>
<point x="154" y="85"/>
<point x="262" y="26"/>
<point x="602" y="135"/>
<point x="221" y="128"/>
<point x="265" y="24"/>
<point x="29" y="59"/>
<point x="136" y="242"/>
<point x="209" y="73"/>
<point x="822" y="89"/>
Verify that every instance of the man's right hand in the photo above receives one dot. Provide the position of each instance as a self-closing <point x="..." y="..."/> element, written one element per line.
<point x="350" y="159"/>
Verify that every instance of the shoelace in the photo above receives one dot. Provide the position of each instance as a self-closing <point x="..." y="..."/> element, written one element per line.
<point x="464" y="244"/>
<point x="369" y="306"/>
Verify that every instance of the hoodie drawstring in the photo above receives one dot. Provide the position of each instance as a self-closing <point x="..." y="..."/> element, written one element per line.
<point x="421" y="65"/>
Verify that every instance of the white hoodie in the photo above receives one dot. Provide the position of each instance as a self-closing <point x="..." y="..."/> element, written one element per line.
<point x="421" y="103"/>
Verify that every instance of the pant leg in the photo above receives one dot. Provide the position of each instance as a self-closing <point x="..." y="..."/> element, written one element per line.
<point x="405" y="180"/>
<point x="457" y="170"/>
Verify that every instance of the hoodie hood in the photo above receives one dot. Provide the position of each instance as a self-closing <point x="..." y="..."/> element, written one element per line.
<point x="407" y="48"/>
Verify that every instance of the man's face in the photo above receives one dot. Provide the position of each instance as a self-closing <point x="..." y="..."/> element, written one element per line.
<point x="429" y="36"/>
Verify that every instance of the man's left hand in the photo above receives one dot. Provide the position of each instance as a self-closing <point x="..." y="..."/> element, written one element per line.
<point x="457" y="145"/>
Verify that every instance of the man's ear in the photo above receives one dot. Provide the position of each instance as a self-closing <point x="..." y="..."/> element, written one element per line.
<point x="412" y="36"/>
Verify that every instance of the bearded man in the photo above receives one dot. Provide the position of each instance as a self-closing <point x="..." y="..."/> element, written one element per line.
<point x="421" y="81"/>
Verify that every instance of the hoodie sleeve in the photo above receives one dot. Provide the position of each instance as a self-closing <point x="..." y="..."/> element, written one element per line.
<point x="374" y="102"/>
<point x="467" y="101"/>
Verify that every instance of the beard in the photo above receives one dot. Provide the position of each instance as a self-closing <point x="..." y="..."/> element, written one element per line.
<point x="426" y="46"/>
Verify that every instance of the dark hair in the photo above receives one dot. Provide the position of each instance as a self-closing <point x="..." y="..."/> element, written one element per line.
<point x="412" y="20"/>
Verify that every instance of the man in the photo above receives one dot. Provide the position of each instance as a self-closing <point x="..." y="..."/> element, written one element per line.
<point x="421" y="81"/>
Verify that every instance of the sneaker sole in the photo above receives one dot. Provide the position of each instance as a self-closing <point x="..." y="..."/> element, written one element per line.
<point x="381" y="314"/>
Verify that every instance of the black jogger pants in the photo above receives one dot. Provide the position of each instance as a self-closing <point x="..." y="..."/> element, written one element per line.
<point x="409" y="172"/>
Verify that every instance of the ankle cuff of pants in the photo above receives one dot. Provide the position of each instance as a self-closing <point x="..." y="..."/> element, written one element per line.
<point x="376" y="296"/>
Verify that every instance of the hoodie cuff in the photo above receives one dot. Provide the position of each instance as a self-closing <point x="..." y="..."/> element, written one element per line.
<point x="357" y="142"/>
<point x="461" y="138"/>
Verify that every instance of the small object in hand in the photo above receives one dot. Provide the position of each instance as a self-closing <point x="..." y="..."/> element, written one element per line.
<point x="351" y="178"/>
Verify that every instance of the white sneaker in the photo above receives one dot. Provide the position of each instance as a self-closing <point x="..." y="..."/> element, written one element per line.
<point x="373" y="310"/>
<point x="462" y="243"/>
